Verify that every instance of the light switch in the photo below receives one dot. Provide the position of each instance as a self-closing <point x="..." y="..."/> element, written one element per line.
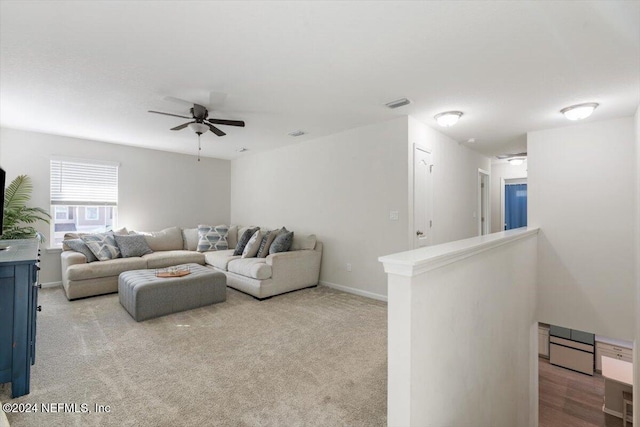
<point x="393" y="215"/>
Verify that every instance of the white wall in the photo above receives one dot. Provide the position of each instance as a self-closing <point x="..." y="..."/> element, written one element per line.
<point x="582" y="196"/>
<point x="341" y="188"/>
<point x="463" y="334"/>
<point x="500" y="171"/>
<point x="157" y="189"/>
<point x="455" y="183"/>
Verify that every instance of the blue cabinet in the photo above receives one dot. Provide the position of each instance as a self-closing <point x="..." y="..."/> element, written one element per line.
<point x="18" y="310"/>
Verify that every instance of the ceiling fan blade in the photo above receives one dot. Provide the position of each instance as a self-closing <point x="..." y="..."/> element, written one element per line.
<point x="216" y="130"/>
<point x="169" y="114"/>
<point x="227" y="122"/>
<point x="182" y="126"/>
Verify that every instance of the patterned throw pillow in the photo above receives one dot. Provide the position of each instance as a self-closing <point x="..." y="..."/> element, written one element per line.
<point x="282" y="243"/>
<point x="103" y="245"/>
<point x="132" y="245"/>
<point x="253" y="245"/>
<point x="244" y="239"/>
<point x="212" y="238"/>
<point x="79" y="246"/>
<point x="266" y="242"/>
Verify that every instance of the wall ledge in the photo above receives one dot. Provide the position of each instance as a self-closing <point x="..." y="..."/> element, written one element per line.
<point x="419" y="261"/>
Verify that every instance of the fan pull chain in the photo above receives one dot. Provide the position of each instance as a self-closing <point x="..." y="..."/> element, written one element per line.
<point x="199" y="147"/>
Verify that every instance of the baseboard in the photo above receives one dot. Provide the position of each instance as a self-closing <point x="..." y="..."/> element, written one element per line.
<point x="51" y="284"/>
<point x="354" y="291"/>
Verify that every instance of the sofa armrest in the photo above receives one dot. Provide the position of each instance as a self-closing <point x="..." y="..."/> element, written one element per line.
<point x="67" y="259"/>
<point x="301" y="266"/>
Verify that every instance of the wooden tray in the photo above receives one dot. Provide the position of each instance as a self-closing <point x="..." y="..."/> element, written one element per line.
<point x="169" y="274"/>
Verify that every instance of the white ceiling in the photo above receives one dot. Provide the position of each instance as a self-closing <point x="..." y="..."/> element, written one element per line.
<point x="93" y="69"/>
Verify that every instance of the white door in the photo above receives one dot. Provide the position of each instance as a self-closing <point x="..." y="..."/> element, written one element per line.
<point x="422" y="197"/>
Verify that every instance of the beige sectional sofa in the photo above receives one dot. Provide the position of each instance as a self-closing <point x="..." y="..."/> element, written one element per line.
<point x="260" y="277"/>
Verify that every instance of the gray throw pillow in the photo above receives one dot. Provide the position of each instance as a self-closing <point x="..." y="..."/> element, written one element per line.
<point x="132" y="245"/>
<point x="79" y="246"/>
<point x="243" y="240"/>
<point x="266" y="242"/>
<point x="282" y="243"/>
<point x="212" y="238"/>
<point x="103" y="245"/>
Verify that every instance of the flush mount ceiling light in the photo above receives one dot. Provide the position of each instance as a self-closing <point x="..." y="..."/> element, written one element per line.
<point x="516" y="161"/>
<point x="579" y="111"/>
<point x="448" y="118"/>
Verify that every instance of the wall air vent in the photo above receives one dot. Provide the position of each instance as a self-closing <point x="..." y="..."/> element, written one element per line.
<point x="397" y="103"/>
<point x="296" y="133"/>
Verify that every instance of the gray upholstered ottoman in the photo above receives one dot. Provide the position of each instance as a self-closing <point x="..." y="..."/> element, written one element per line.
<point x="146" y="296"/>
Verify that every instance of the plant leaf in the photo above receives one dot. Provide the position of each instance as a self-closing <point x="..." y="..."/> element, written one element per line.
<point x="18" y="193"/>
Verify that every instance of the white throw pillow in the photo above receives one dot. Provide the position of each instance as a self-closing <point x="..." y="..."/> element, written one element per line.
<point x="253" y="245"/>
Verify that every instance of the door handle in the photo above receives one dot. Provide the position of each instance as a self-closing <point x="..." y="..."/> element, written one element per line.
<point x="419" y="233"/>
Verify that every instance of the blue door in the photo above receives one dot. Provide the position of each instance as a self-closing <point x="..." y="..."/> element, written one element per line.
<point x="515" y="206"/>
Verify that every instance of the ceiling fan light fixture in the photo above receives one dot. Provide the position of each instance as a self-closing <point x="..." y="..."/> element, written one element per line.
<point x="579" y="111"/>
<point x="198" y="128"/>
<point x="448" y="118"/>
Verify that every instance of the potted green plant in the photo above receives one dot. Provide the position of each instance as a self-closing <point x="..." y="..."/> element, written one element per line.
<point x="18" y="218"/>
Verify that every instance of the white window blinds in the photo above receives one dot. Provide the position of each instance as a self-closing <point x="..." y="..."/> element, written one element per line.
<point x="75" y="182"/>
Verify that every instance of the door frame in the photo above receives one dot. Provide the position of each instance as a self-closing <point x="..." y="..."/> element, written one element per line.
<point x="503" y="183"/>
<point x="486" y="228"/>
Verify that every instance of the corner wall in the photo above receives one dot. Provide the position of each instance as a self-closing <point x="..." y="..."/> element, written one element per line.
<point x="157" y="189"/>
<point x="341" y="188"/>
<point x="582" y="196"/>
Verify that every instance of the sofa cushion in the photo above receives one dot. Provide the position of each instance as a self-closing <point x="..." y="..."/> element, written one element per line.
<point x="71" y="236"/>
<point x="103" y="245"/>
<point x="132" y="245"/>
<point x="266" y="242"/>
<point x="244" y="239"/>
<point x="232" y="236"/>
<point x="282" y="243"/>
<point x="301" y="242"/>
<point x="164" y="259"/>
<point x="109" y="268"/>
<point x="256" y="268"/>
<point x="190" y="239"/>
<point x="169" y="239"/>
<point x="79" y="246"/>
<point x="251" y="249"/>
<point x="212" y="238"/>
<point x="220" y="259"/>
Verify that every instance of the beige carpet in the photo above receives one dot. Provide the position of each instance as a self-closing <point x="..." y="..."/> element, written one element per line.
<point x="315" y="357"/>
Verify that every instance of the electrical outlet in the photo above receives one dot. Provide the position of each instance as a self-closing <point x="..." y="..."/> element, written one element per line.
<point x="349" y="267"/>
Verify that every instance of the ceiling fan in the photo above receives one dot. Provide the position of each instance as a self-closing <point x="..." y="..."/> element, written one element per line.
<point x="201" y="121"/>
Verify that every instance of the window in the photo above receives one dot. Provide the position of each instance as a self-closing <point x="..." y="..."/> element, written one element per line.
<point x="62" y="212"/>
<point x="91" y="213"/>
<point x="84" y="197"/>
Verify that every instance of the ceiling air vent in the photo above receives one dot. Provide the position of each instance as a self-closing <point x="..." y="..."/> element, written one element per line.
<point x="397" y="103"/>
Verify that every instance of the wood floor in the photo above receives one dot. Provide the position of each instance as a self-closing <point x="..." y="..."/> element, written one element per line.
<point x="570" y="399"/>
